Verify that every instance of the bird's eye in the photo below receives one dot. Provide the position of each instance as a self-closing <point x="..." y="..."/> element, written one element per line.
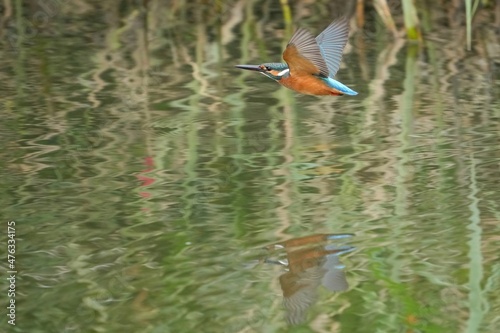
<point x="268" y="68"/>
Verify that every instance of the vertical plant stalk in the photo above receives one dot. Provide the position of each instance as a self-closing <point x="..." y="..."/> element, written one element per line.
<point x="18" y="47"/>
<point x="7" y="13"/>
<point x="19" y="21"/>
<point x="383" y="10"/>
<point x="360" y="13"/>
<point x="411" y="20"/>
<point x="469" y="14"/>
<point x="287" y="15"/>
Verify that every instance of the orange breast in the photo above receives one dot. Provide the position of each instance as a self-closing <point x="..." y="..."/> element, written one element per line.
<point x="308" y="84"/>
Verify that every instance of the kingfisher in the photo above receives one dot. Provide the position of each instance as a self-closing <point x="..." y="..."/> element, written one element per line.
<point x="311" y="63"/>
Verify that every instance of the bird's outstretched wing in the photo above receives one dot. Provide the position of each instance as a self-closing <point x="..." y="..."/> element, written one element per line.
<point x="303" y="55"/>
<point x="332" y="42"/>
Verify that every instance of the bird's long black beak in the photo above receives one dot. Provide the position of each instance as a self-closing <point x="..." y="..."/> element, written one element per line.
<point x="250" y="67"/>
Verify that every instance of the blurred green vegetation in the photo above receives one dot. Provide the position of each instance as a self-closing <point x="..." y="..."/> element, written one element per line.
<point x="146" y="173"/>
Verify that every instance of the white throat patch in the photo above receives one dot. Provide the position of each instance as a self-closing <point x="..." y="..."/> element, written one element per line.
<point x="283" y="72"/>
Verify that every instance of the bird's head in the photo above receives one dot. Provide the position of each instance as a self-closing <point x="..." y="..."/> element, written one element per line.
<point x="273" y="70"/>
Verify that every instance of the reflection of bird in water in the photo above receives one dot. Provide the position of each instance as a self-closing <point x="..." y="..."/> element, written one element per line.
<point x="310" y="262"/>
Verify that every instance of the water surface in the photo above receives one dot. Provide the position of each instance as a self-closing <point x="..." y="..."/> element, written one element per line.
<point x="156" y="188"/>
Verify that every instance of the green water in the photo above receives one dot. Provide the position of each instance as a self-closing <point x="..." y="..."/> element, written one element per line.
<point x="148" y="177"/>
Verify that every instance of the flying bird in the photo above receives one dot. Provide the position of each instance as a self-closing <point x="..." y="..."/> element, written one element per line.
<point x="311" y="63"/>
